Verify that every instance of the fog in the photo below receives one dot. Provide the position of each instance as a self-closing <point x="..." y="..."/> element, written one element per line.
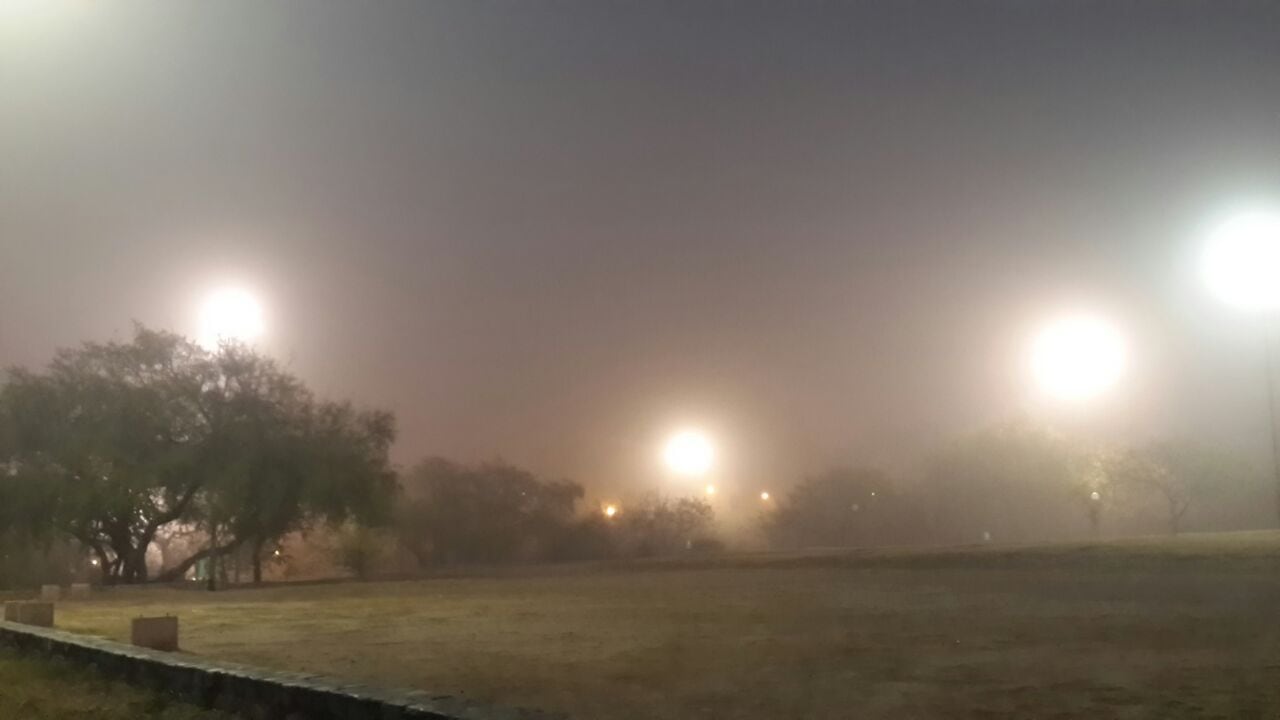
<point x="825" y="232"/>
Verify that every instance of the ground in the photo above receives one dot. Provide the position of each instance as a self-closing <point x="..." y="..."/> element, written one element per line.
<point x="33" y="689"/>
<point x="1141" y="629"/>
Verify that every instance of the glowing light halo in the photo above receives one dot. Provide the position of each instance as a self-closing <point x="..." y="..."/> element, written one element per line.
<point x="229" y="314"/>
<point x="1241" y="262"/>
<point x="689" y="453"/>
<point x="1078" y="356"/>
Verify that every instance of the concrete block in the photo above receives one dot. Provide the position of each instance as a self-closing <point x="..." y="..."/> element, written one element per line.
<point x="52" y="593"/>
<point x="29" y="612"/>
<point x="157" y="633"/>
<point x="80" y="591"/>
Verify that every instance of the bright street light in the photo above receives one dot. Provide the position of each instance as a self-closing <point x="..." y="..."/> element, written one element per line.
<point x="229" y="315"/>
<point x="765" y="496"/>
<point x="711" y="490"/>
<point x="1077" y="357"/>
<point x="610" y="510"/>
<point x="1241" y="263"/>
<point x="689" y="453"/>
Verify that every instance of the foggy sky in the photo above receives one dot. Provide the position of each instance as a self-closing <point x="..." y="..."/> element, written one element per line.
<point x="554" y="231"/>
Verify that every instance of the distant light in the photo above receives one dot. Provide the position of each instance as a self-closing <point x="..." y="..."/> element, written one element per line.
<point x="229" y="315"/>
<point x="689" y="453"/>
<point x="276" y="553"/>
<point x="855" y="507"/>
<point x="711" y="490"/>
<point x="94" y="562"/>
<point x="1077" y="357"/>
<point x="1095" y="496"/>
<point x="610" y="510"/>
<point x="873" y="493"/>
<point x="764" y="495"/>
<point x="1241" y="264"/>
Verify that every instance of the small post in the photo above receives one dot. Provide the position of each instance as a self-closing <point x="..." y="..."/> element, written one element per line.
<point x="29" y="612"/>
<point x="157" y="633"/>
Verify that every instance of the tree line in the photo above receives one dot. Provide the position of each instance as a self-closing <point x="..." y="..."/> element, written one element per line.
<point x="1020" y="482"/>
<point x="153" y="455"/>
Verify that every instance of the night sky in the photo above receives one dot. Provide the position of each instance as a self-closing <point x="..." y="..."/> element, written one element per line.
<point x="554" y="231"/>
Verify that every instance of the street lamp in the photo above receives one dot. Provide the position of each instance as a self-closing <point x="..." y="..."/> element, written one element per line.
<point x="229" y="315"/>
<point x="1241" y="265"/>
<point x="689" y="453"/>
<point x="1077" y="357"/>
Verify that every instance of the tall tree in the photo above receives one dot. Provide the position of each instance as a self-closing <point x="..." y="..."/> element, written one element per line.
<point x="107" y="444"/>
<point x="294" y="458"/>
<point x="490" y="512"/>
<point x="1014" y="481"/>
<point x="657" y="525"/>
<point x="843" y="506"/>
<point x="1178" y="477"/>
<point x="115" y="441"/>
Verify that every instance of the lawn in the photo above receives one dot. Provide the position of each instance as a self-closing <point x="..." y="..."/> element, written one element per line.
<point x="38" y="689"/>
<point x="1146" y="629"/>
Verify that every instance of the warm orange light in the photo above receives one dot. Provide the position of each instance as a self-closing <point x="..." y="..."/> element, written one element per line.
<point x="689" y="453"/>
<point x="711" y="490"/>
<point x="1077" y="357"/>
<point x="610" y="510"/>
<point x="229" y="315"/>
<point x="764" y="495"/>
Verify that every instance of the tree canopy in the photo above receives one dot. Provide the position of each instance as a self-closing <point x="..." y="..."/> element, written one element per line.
<point x="490" y="512"/>
<point x="851" y="506"/>
<point x="114" y="441"/>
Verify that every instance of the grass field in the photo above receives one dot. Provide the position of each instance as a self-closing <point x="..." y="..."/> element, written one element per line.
<point x="1143" y="629"/>
<point x="33" y="689"/>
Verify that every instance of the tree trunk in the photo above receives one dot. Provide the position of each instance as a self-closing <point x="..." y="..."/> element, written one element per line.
<point x="213" y="557"/>
<point x="104" y="567"/>
<point x="257" y="560"/>
<point x="137" y="567"/>
<point x="177" y="571"/>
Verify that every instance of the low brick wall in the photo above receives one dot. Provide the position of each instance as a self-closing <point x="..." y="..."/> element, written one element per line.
<point x="256" y="693"/>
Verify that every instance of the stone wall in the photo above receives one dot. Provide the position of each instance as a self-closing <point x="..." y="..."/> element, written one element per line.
<point x="253" y="692"/>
